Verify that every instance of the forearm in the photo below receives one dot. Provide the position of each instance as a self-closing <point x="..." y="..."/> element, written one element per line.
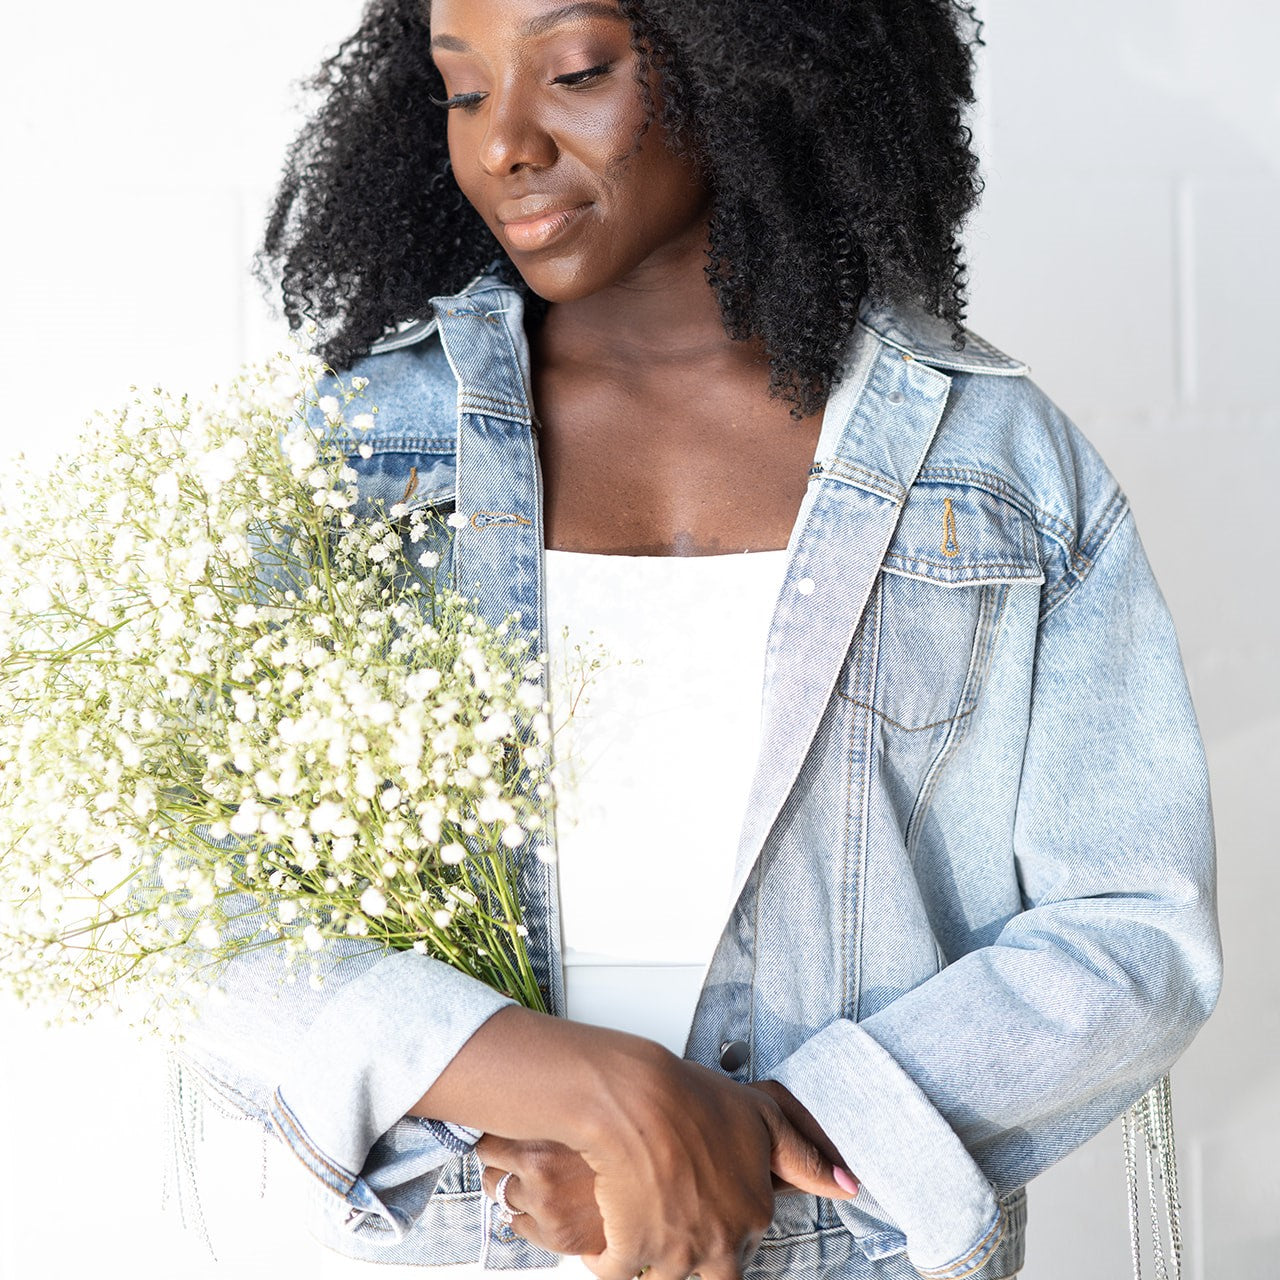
<point x="525" y="1075"/>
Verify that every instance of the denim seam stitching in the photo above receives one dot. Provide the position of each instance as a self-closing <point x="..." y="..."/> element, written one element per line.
<point x="442" y="445"/>
<point x="981" y="1251"/>
<point x="484" y="397"/>
<point x="282" y="1117"/>
<point x="935" y="724"/>
<point x="990" y="612"/>
<point x="853" y="967"/>
<point x="998" y="487"/>
<point x="444" y="1136"/>
<point x="958" y="569"/>
<point x="861" y="478"/>
<point x="755" y="968"/>
<point x="1100" y="534"/>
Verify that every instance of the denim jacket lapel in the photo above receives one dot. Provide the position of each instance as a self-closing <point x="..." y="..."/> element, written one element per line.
<point x="497" y="546"/>
<point x="879" y="423"/>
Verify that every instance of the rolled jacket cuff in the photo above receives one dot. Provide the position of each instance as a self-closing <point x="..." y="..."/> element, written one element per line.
<point x="377" y="1045"/>
<point x="899" y="1147"/>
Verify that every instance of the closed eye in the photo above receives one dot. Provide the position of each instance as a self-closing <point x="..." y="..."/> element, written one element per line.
<point x="467" y="101"/>
<point x="581" y="77"/>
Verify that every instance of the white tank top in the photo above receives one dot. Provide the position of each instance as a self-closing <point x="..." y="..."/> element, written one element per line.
<point x="659" y="757"/>
<point x="654" y="767"/>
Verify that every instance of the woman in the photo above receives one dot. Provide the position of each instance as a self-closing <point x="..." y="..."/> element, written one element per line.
<point x="714" y="305"/>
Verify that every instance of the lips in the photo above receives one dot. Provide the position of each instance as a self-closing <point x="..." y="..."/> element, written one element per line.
<point x="537" y="221"/>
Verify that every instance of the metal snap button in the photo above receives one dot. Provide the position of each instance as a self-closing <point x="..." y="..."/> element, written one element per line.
<point x="734" y="1055"/>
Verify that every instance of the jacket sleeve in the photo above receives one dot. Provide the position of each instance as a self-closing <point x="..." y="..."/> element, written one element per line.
<point x="334" y="1068"/>
<point x="972" y="1083"/>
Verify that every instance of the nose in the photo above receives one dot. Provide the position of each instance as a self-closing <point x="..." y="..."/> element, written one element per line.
<point x="515" y="137"/>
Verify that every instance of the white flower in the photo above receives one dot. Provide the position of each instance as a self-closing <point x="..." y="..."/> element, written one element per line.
<point x="442" y="918"/>
<point x="478" y="765"/>
<point x="494" y="727"/>
<point x="373" y="902"/>
<point x="325" y="816"/>
<point x="329" y="406"/>
<point x="288" y="911"/>
<point x="362" y="421"/>
<point x="313" y="937"/>
<point x="513" y="836"/>
<point x="208" y="936"/>
<point x="429" y="559"/>
<point x="365" y="451"/>
<point x="36" y="598"/>
<point x="456" y="520"/>
<point x="453" y="853"/>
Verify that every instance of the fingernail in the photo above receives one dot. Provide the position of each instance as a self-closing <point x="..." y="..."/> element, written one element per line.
<point x="845" y="1179"/>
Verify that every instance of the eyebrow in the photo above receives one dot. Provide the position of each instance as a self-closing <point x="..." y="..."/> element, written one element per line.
<point x="543" y="23"/>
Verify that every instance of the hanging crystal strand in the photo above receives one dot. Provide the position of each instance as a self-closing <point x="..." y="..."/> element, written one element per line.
<point x="183" y="1129"/>
<point x="1162" y="1112"/>
<point x="1129" y="1125"/>
<point x="1150" y="1121"/>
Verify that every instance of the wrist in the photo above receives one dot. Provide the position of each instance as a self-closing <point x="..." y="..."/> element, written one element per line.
<point x="527" y="1075"/>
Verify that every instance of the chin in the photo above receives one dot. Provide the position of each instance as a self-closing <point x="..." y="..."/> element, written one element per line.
<point x="563" y="281"/>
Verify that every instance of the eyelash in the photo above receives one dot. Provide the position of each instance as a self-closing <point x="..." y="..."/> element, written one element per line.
<point x="571" y="79"/>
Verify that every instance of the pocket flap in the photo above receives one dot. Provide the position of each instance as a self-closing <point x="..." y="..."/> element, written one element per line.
<point x="957" y="535"/>
<point x="411" y="476"/>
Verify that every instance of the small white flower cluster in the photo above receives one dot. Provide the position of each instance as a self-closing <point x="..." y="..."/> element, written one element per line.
<point x="220" y="690"/>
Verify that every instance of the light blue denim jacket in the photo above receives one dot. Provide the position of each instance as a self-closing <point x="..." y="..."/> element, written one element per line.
<point x="973" y="918"/>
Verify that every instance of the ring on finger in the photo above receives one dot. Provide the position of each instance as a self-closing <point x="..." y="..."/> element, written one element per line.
<point x="506" y="1211"/>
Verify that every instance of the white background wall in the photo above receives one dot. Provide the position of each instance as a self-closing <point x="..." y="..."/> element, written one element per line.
<point x="1126" y="248"/>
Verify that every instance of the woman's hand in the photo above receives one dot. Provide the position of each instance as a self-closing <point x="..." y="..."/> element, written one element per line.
<point x="552" y="1186"/>
<point x="683" y="1170"/>
<point x="681" y="1155"/>
<point x="802" y="1121"/>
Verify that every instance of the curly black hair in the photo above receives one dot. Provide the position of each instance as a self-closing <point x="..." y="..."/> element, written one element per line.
<point x="830" y="132"/>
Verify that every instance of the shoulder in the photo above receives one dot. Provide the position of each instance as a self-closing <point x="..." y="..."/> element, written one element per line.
<point x="1001" y="437"/>
<point x="409" y="389"/>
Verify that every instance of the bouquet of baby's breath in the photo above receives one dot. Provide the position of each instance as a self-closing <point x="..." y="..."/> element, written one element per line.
<point x="234" y="715"/>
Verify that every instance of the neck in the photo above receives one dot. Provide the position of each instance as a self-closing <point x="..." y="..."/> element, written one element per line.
<point x="663" y="311"/>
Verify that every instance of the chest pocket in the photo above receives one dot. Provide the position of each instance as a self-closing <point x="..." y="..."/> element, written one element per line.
<point x="421" y="474"/>
<point x="924" y="643"/>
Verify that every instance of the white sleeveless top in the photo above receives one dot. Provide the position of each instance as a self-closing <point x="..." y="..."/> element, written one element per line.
<point x="655" y="762"/>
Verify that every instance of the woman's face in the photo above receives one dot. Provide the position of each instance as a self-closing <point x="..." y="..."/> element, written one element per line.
<point x="547" y="141"/>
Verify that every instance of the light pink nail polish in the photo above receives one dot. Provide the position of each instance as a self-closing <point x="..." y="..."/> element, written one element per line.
<point x="845" y="1179"/>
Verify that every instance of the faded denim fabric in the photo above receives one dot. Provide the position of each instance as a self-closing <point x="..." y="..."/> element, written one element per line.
<point x="974" y="913"/>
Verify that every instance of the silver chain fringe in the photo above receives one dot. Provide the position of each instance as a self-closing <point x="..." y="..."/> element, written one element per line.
<point x="185" y="1102"/>
<point x="1149" y="1124"/>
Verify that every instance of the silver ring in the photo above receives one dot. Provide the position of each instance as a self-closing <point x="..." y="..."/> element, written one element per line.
<point x="506" y="1213"/>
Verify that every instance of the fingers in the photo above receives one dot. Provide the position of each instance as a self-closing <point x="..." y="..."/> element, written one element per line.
<point x="490" y="1180"/>
<point x="801" y="1166"/>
